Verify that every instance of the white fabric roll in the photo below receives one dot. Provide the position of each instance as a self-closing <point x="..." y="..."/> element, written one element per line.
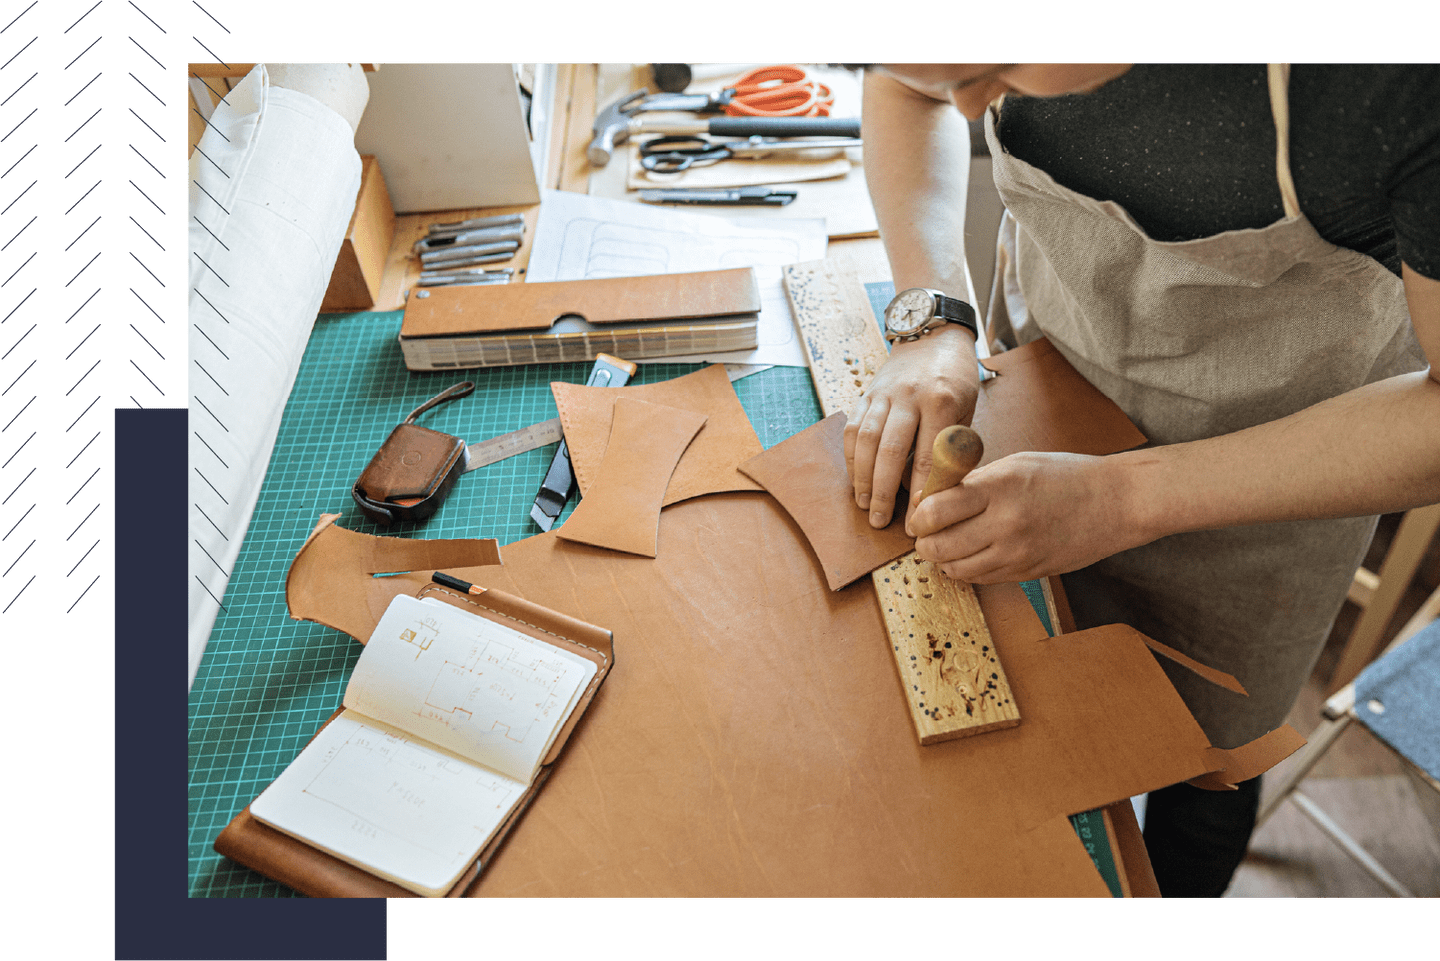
<point x="273" y="186"/>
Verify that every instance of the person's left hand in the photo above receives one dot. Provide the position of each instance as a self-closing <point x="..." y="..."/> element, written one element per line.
<point x="1025" y="516"/>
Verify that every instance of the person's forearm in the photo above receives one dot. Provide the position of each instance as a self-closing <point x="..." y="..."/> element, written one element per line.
<point x="1373" y="450"/>
<point x="917" y="162"/>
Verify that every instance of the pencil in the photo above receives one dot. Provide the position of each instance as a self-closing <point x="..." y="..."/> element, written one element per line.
<point x="456" y="583"/>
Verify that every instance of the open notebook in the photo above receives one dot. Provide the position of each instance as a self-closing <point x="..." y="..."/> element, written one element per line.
<point x="447" y="719"/>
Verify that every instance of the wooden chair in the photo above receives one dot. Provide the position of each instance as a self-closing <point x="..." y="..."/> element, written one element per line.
<point x="1379" y="594"/>
<point x="1341" y="710"/>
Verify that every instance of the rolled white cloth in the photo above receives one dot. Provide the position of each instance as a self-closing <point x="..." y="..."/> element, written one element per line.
<point x="273" y="186"/>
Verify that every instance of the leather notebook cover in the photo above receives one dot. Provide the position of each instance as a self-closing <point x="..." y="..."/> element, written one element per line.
<point x="524" y="308"/>
<point x="318" y="874"/>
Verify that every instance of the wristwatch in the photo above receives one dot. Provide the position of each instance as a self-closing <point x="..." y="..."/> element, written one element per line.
<point x="917" y="311"/>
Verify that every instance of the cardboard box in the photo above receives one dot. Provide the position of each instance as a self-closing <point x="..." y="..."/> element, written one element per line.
<point x="453" y="136"/>
<point x="355" y="281"/>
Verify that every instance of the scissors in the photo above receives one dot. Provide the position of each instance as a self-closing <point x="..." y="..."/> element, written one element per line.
<point x="672" y="154"/>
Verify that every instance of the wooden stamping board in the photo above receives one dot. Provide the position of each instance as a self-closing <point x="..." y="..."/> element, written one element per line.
<point x="948" y="669"/>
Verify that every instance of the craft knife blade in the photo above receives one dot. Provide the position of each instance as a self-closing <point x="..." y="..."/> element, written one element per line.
<point x="742" y="196"/>
<point x="559" y="481"/>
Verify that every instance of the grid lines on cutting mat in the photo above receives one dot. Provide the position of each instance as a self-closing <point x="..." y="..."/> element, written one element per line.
<point x="268" y="682"/>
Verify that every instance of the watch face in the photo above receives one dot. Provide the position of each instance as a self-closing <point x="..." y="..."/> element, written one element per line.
<point x="910" y="311"/>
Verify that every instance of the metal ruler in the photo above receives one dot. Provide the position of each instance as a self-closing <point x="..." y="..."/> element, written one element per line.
<point x="487" y="452"/>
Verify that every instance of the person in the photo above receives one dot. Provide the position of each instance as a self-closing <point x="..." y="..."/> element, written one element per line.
<point x="1246" y="259"/>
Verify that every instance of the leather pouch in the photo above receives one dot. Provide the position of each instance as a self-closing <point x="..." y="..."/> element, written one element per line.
<point x="413" y="470"/>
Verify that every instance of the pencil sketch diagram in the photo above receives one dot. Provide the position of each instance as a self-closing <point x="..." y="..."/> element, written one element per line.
<point x="499" y="687"/>
<point x="391" y="784"/>
<point x="421" y="636"/>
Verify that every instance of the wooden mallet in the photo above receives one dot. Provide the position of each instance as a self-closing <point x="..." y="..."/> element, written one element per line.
<point x="957" y="450"/>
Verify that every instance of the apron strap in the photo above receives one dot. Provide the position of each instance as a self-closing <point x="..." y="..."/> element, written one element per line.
<point x="1278" y="75"/>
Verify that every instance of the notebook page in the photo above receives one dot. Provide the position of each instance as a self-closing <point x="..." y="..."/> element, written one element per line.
<point x="468" y="684"/>
<point x="375" y="797"/>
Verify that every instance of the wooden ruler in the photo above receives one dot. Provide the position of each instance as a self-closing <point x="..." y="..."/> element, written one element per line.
<point x="943" y="653"/>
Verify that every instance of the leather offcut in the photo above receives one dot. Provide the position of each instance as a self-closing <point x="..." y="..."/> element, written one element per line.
<point x="710" y="462"/>
<point x="621" y="511"/>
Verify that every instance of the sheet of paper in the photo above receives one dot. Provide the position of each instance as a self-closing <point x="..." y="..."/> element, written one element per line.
<point x="370" y="794"/>
<point x="578" y="237"/>
<point x="467" y="684"/>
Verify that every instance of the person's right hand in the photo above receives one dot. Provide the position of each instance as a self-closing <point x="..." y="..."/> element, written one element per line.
<point x="926" y="385"/>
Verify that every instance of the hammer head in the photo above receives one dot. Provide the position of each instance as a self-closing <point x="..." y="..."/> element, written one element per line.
<point x="612" y="127"/>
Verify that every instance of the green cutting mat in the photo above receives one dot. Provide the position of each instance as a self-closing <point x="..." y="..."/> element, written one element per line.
<point x="267" y="682"/>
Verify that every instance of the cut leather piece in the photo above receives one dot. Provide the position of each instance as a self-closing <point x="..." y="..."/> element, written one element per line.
<point x="344" y="560"/>
<point x="806" y="473"/>
<point x="1037" y="403"/>
<point x="621" y="510"/>
<point x="750" y="741"/>
<point x="1241" y="763"/>
<point x="1218" y="678"/>
<point x="709" y="463"/>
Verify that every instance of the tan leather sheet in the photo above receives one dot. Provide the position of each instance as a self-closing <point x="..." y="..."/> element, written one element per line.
<point x="1038" y="403"/>
<point x="806" y="473"/>
<point x="621" y="510"/>
<point x="751" y="741"/>
<point x="709" y="464"/>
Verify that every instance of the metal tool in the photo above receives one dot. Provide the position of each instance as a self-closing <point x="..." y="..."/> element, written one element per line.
<point x="477" y="223"/>
<point x="559" y="481"/>
<point x="611" y="123"/>
<point x="616" y="123"/>
<point x="442" y="278"/>
<point x="672" y="154"/>
<point x="743" y="196"/>
<point x="510" y="234"/>
<point x="469" y="254"/>
<point x="496" y="449"/>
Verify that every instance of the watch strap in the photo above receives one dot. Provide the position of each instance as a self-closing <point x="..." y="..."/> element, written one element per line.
<point x="957" y="311"/>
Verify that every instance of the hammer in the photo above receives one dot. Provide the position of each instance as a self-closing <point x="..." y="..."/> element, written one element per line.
<point x="615" y="124"/>
<point x="957" y="450"/>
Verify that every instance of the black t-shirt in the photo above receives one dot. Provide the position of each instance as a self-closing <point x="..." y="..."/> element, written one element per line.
<point x="1189" y="151"/>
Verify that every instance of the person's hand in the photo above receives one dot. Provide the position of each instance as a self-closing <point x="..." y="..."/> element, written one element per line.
<point x="926" y="385"/>
<point x="1028" y="515"/>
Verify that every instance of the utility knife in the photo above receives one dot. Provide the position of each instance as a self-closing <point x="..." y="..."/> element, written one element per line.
<point x="559" y="483"/>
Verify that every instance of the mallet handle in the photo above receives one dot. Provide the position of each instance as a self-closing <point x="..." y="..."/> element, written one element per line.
<point x="957" y="450"/>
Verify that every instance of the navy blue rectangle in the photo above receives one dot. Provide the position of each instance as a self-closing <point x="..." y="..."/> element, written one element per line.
<point x="154" y="917"/>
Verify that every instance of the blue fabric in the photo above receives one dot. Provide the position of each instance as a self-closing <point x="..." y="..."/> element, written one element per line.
<point x="1407" y="682"/>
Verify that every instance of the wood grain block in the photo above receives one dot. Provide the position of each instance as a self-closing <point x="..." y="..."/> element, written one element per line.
<point x="943" y="653"/>
<point x="953" y="694"/>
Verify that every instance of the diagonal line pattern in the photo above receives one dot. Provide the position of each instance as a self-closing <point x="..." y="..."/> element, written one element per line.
<point x="83" y="90"/>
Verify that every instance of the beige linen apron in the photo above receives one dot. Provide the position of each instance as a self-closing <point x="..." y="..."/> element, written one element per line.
<point x="1194" y="339"/>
